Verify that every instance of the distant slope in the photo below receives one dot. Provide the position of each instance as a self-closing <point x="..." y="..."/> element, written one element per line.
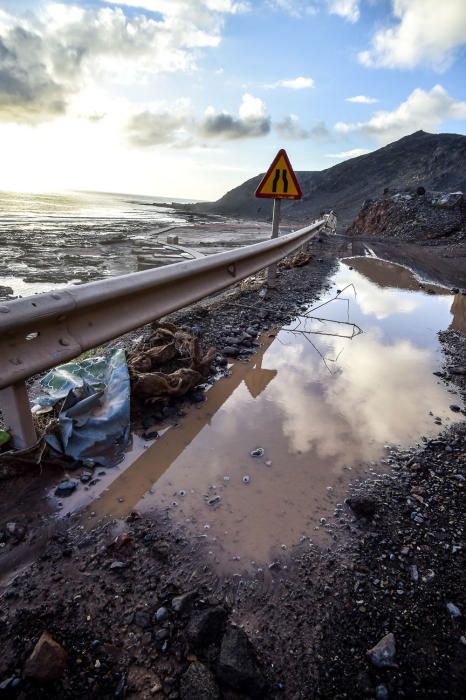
<point x="436" y="161"/>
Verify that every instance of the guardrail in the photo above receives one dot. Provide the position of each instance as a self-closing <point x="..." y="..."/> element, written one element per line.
<point x="48" y="329"/>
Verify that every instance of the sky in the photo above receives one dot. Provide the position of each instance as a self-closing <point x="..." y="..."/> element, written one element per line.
<point x="189" y="98"/>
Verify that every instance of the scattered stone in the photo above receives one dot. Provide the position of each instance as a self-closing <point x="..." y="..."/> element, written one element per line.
<point x="161" y="614"/>
<point x="198" y="683"/>
<point x="47" y="662"/>
<point x="455" y="408"/>
<point x="453" y="610"/>
<point x="381" y="692"/>
<point x="246" y="479"/>
<point x="66" y="488"/>
<point x="118" y="565"/>
<point x="142" y="619"/>
<point x="181" y="602"/>
<point x="257" y="452"/>
<point x="215" y="500"/>
<point x="230" y="351"/>
<point x="363" y="506"/>
<point x="206" y="626"/>
<point x="414" y="573"/>
<point x="237" y="665"/>
<point x="383" y="653"/>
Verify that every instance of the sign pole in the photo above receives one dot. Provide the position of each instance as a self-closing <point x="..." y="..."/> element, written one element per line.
<point x="272" y="270"/>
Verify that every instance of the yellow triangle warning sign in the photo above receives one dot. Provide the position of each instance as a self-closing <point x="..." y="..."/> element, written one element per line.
<point x="279" y="182"/>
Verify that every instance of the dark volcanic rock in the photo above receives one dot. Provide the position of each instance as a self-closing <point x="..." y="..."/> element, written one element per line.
<point x="409" y="217"/>
<point x="198" y="683"/>
<point x="206" y="626"/>
<point x="237" y="665"/>
<point x="47" y="662"/>
<point x="363" y="506"/>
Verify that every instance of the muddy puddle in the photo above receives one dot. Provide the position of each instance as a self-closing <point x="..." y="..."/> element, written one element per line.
<point x="325" y="399"/>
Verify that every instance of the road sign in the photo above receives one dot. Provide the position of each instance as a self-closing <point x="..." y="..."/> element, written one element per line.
<point x="280" y="181"/>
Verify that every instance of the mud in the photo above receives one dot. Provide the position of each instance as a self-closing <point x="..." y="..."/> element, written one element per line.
<point x="311" y="614"/>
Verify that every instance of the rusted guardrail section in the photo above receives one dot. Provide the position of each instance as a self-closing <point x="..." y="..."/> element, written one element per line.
<point x="42" y="331"/>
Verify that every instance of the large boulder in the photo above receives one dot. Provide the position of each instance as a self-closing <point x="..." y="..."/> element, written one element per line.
<point x="237" y="665"/>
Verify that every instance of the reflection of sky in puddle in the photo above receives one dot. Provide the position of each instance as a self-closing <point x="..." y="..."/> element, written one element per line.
<point x="314" y="420"/>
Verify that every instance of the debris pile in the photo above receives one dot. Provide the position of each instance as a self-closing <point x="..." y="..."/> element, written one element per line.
<point x="299" y="259"/>
<point x="172" y="365"/>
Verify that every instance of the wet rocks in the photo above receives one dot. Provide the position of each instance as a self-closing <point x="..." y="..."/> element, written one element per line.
<point x="363" y="506"/>
<point x="206" y="626"/>
<point x="198" y="683"/>
<point x="382" y="655"/>
<point x="47" y="662"/>
<point x="230" y="351"/>
<point x="237" y="666"/>
<point x="66" y="488"/>
<point x="257" y="452"/>
<point x="454" y="610"/>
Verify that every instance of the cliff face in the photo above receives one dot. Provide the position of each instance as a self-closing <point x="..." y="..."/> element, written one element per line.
<point x="413" y="216"/>
<point x="435" y="161"/>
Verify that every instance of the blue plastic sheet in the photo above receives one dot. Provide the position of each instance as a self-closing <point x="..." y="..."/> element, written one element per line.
<point x="95" y="416"/>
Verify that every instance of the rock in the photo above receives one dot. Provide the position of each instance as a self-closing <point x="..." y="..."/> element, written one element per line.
<point x="198" y="683"/>
<point x="232" y="341"/>
<point x="230" y="351"/>
<point x="362" y="506"/>
<point x="118" y="565"/>
<point x="161" y="614"/>
<point x="460" y="369"/>
<point x="181" y="602"/>
<point x="47" y="662"/>
<point x="383" y="653"/>
<point x="258" y="452"/>
<point x="206" y="626"/>
<point x="142" y="619"/>
<point x="381" y="692"/>
<point x="252" y="331"/>
<point x="237" y="666"/>
<point x="455" y="408"/>
<point x="453" y="610"/>
<point x="66" y="488"/>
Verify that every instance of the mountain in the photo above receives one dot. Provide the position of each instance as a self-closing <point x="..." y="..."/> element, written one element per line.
<point x="434" y="161"/>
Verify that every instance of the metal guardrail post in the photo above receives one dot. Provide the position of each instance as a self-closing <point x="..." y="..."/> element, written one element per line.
<point x="17" y="415"/>
<point x="272" y="271"/>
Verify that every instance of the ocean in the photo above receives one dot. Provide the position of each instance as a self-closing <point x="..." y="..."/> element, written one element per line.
<point x="50" y="240"/>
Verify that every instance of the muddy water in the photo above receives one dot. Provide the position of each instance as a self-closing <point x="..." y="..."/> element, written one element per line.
<point x="327" y="395"/>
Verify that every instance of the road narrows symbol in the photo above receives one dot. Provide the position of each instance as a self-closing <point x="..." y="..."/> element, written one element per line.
<point x="280" y="181"/>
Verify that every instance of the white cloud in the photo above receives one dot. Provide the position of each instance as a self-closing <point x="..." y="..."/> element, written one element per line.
<point x="426" y="32"/>
<point x="421" y="110"/>
<point x="353" y="153"/>
<point x="348" y="9"/>
<point x="295" y="8"/>
<point x="290" y="128"/>
<point x="48" y="57"/>
<point x="253" y="121"/>
<point x="362" y="99"/>
<point x="300" y="83"/>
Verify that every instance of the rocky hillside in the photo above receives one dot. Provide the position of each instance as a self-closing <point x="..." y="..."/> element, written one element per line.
<point x="434" y="161"/>
<point x="413" y="216"/>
